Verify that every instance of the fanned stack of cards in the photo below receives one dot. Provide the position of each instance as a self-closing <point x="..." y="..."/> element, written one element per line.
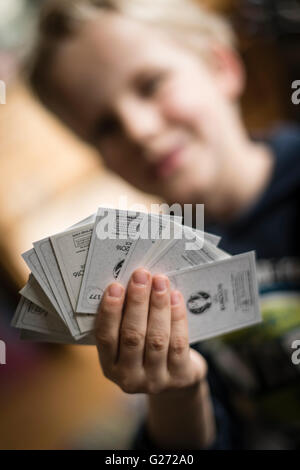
<point x="71" y="269"/>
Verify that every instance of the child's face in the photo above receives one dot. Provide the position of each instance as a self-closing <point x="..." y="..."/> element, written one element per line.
<point x="154" y="109"/>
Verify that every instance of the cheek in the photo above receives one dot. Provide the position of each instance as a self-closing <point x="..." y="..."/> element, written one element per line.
<point x="118" y="156"/>
<point x="112" y="155"/>
<point x="188" y="98"/>
<point x="181" y="104"/>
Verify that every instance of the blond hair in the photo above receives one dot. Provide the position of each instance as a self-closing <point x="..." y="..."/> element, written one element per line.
<point x="59" y="20"/>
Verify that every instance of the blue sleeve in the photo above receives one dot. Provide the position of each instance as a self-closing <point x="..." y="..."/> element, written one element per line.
<point x="228" y="428"/>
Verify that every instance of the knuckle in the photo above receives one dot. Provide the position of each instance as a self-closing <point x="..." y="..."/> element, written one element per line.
<point x="159" y="300"/>
<point x="132" y="338"/>
<point x="127" y="385"/>
<point x="137" y="295"/>
<point x="178" y="313"/>
<point x="158" y="341"/>
<point x="110" y="304"/>
<point x="108" y="313"/>
<point x="154" y="387"/>
<point x="178" y="345"/>
<point x="127" y="388"/>
<point x="180" y="383"/>
<point x="107" y="373"/>
<point x="104" y="339"/>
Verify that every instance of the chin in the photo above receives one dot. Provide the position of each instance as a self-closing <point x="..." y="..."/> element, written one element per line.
<point x="181" y="192"/>
<point x="194" y="187"/>
<point x="185" y="186"/>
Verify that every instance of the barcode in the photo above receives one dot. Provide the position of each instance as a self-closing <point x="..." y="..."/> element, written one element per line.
<point x="242" y="290"/>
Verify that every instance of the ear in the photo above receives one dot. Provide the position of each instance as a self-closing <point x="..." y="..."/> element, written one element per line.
<point x="228" y="70"/>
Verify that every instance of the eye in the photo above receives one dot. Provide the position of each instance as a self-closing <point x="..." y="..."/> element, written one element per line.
<point x="106" y="126"/>
<point x="148" y="86"/>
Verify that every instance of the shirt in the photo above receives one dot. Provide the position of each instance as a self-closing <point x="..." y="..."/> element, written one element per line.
<point x="255" y="386"/>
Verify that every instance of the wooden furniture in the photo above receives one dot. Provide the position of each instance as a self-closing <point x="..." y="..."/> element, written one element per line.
<point x="50" y="180"/>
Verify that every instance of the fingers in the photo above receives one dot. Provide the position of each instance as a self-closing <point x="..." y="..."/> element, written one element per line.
<point x="143" y="339"/>
<point x="200" y="365"/>
<point x="108" y="324"/>
<point x="134" y="323"/>
<point x="178" y="354"/>
<point x="158" y="331"/>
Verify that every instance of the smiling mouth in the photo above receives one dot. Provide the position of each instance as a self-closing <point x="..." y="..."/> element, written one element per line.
<point x="168" y="163"/>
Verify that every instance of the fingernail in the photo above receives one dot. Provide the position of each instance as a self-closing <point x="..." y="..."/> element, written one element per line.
<point x="159" y="284"/>
<point x="140" y="277"/>
<point x="115" y="290"/>
<point x="175" y="297"/>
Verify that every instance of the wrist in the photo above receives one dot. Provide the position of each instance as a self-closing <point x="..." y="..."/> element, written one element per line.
<point x="192" y="388"/>
<point x="181" y="417"/>
<point x="186" y="392"/>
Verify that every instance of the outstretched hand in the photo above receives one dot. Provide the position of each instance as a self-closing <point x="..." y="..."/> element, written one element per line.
<point x="142" y="337"/>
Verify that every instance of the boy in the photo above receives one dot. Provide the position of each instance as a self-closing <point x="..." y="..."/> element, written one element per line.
<point x="155" y="87"/>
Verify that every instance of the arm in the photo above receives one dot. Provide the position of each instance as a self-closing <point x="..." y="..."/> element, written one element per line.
<point x="182" y="418"/>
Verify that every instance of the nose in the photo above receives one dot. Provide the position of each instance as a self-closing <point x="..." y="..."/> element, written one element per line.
<point x="142" y="121"/>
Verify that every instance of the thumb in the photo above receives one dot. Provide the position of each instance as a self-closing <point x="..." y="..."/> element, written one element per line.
<point x="199" y="364"/>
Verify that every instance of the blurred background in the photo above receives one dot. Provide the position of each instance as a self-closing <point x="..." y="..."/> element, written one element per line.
<point x="54" y="397"/>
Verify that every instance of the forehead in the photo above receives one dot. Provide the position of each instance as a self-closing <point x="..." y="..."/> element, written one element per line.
<point x="105" y="56"/>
